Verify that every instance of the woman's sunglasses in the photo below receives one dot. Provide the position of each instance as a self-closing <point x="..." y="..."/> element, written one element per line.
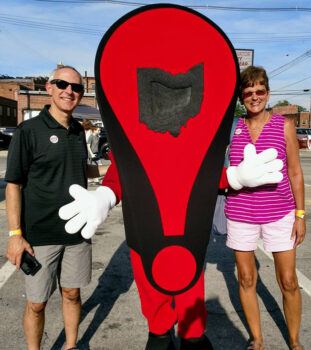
<point x="259" y="93"/>
<point x="63" y="84"/>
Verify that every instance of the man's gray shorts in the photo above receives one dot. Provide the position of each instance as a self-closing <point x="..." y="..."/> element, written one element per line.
<point x="70" y="265"/>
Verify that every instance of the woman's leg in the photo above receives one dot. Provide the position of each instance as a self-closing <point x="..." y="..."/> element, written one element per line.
<point x="247" y="275"/>
<point x="285" y="268"/>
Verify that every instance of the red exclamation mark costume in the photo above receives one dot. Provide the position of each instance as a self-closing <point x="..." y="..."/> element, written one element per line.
<point x="166" y="80"/>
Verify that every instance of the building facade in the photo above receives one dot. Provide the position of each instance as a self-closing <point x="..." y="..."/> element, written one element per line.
<point x="8" y="112"/>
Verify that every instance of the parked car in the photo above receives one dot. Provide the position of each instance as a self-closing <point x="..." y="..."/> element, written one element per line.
<point x="304" y="137"/>
<point x="103" y="145"/>
<point x="4" y="140"/>
<point x="8" y="130"/>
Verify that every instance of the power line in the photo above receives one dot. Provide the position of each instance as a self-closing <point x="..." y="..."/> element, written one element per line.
<point x="203" y="7"/>
<point x="18" y="21"/>
<point x="290" y="64"/>
<point x="97" y="30"/>
<point x="296" y="82"/>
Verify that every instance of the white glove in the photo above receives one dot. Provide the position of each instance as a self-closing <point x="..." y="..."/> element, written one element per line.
<point x="255" y="169"/>
<point x="89" y="207"/>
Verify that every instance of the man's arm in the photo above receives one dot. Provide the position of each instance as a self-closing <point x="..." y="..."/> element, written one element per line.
<point x="17" y="244"/>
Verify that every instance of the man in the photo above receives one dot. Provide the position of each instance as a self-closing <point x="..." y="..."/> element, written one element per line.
<point x="48" y="154"/>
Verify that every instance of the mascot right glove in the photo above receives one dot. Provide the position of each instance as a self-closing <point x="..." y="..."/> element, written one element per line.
<point x="256" y="169"/>
<point x="90" y="208"/>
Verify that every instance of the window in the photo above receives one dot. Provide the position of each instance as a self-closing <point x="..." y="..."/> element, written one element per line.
<point x="14" y="112"/>
<point x="304" y="122"/>
<point x="1" y="110"/>
<point x="8" y="111"/>
<point x="93" y="87"/>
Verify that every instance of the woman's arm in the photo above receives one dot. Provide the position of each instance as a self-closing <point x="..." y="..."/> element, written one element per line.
<point x="295" y="176"/>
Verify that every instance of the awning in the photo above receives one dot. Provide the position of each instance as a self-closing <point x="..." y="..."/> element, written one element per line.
<point x="86" y="112"/>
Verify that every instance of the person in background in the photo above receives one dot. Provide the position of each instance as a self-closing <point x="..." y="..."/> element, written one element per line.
<point x="92" y="145"/>
<point x="48" y="154"/>
<point x="87" y="126"/>
<point x="273" y="211"/>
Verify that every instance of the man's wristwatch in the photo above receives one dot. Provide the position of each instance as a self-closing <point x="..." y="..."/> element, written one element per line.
<point x="17" y="232"/>
<point x="300" y="214"/>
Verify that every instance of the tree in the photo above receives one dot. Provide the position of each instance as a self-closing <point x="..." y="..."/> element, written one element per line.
<point x="286" y="103"/>
<point x="301" y="109"/>
<point x="282" y="103"/>
<point x="239" y="110"/>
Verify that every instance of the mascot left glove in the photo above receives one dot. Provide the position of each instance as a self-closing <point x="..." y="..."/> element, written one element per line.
<point x="90" y="208"/>
<point x="256" y="169"/>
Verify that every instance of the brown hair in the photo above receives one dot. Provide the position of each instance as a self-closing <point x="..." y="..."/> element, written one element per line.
<point x="253" y="75"/>
<point x="95" y="127"/>
<point x="87" y="125"/>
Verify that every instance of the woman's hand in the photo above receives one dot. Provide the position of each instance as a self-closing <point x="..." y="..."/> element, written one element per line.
<point x="299" y="231"/>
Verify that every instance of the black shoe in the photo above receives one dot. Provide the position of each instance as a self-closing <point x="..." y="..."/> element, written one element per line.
<point x="160" y="342"/>
<point x="196" y="343"/>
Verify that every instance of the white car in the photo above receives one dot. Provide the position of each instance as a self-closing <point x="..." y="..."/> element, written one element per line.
<point x="304" y="137"/>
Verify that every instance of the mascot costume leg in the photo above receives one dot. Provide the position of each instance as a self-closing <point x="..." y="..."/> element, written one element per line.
<point x="167" y="84"/>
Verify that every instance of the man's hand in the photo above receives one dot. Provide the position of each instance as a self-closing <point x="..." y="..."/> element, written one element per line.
<point x="16" y="246"/>
<point x="90" y="208"/>
<point x="256" y="169"/>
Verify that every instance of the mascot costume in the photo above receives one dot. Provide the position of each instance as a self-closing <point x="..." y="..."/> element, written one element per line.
<point x="167" y="83"/>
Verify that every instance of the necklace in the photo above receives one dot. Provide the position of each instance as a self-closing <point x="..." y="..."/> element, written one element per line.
<point x="258" y="129"/>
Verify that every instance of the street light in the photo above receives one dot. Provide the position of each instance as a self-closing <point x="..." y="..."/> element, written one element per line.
<point x="307" y="90"/>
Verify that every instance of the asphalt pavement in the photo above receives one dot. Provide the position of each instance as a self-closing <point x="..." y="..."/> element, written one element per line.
<point x="111" y="316"/>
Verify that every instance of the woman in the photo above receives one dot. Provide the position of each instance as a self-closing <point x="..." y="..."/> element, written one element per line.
<point x="87" y="126"/>
<point x="275" y="212"/>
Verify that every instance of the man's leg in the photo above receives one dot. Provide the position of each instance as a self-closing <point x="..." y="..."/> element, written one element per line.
<point x="39" y="288"/>
<point x="34" y="324"/>
<point x="75" y="272"/>
<point x="71" y="314"/>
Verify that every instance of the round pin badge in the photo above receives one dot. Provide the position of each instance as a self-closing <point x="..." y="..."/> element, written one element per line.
<point x="238" y="131"/>
<point x="54" y="139"/>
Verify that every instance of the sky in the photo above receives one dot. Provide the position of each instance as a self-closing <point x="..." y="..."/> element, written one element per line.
<point x="35" y="35"/>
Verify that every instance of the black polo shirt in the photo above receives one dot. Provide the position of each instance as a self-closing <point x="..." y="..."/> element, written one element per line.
<point x="46" y="158"/>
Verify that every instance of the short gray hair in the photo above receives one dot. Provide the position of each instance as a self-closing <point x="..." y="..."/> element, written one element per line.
<point x="62" y="67"/>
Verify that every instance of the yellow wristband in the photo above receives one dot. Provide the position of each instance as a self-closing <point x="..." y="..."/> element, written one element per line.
<point x="300" y="213"/>
<point x="17" y="232"/>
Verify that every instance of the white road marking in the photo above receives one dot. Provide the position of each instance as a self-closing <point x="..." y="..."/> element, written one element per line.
<point x="304" y="281"/>
<point x="5" y="272"/>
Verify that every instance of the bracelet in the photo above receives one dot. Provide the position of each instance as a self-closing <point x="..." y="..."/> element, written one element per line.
<point x="300" y="213"/>
<point x="17" y="232"/>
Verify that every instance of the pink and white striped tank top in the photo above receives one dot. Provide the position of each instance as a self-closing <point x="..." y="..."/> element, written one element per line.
<point x="267" y="203"/>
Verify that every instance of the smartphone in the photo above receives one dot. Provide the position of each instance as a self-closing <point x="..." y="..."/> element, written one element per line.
<point x="29" y="265"/>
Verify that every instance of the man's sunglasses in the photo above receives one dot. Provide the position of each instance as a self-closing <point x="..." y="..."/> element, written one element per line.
<point x="63" y="84"/>
<point x="259" y="93"/>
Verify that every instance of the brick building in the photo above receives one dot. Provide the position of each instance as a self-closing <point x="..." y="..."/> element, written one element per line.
<point x="89" y="83"/>
<point x="304" y="120"/>
<point x="301" y="119"/>
<point x="30" y="103"/>
<point x="27" y="96"/>
<point x="8" y="112"/>
<point x="9" y="88"/>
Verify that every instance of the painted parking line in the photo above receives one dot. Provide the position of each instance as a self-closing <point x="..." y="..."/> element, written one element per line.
<point x="304" y="281"/>
<point x="5" y="272"/>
